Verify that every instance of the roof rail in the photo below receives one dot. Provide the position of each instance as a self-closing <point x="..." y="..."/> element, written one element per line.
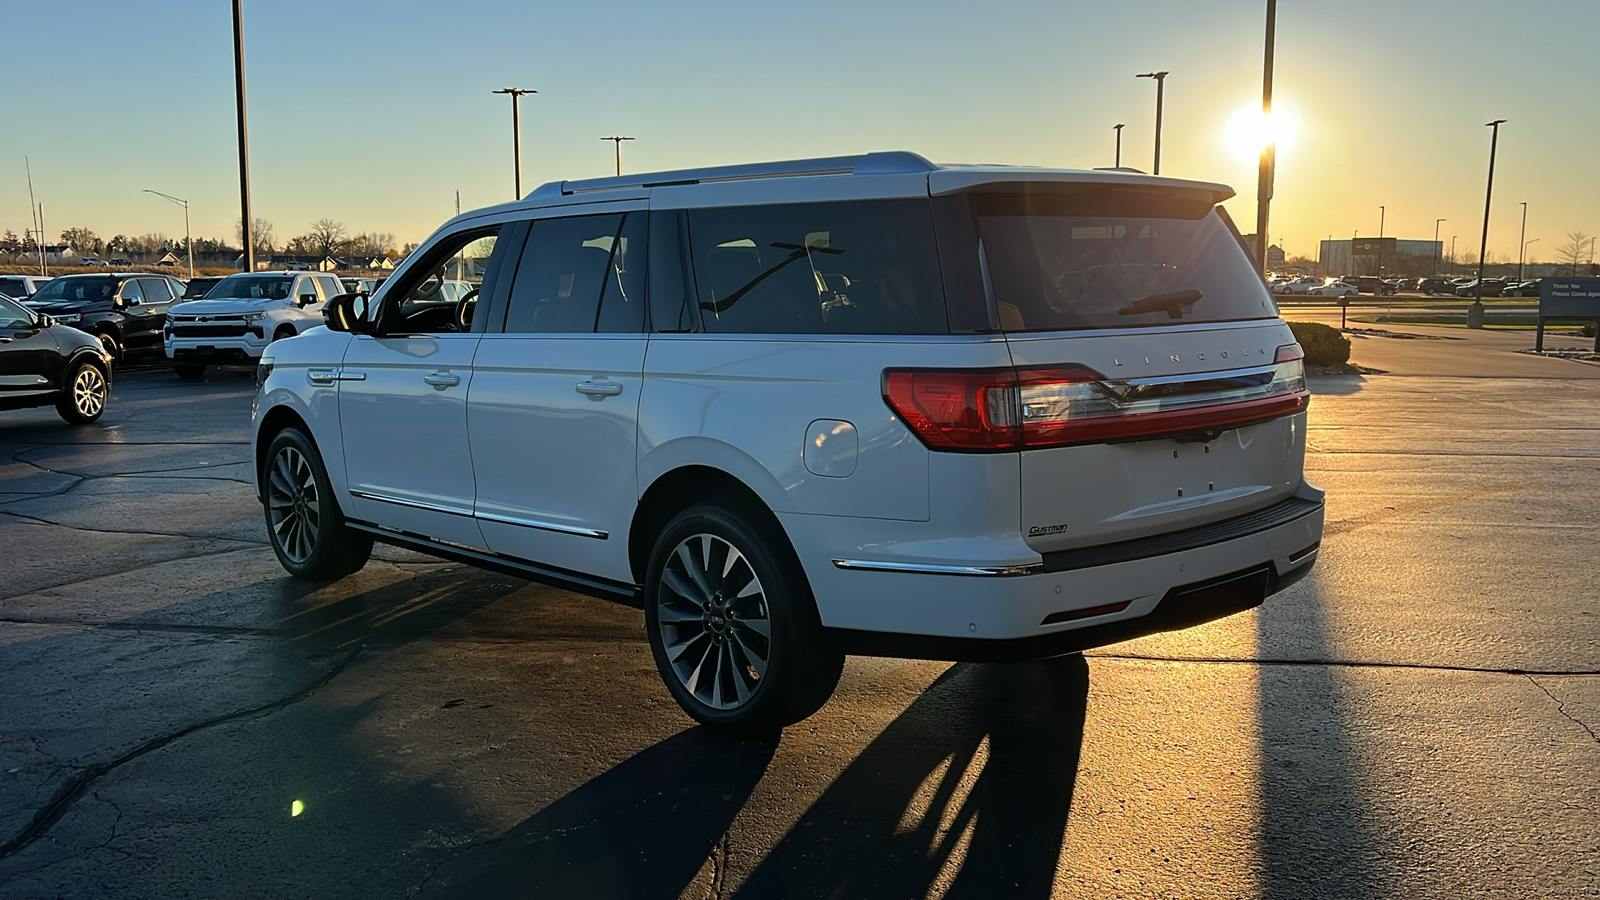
<point x="893" y="162"/>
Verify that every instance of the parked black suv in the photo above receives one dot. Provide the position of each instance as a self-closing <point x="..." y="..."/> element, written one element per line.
<point x="43" y="363"/>
<point x="1372" y="284"/>
<point x="126" y="311"/>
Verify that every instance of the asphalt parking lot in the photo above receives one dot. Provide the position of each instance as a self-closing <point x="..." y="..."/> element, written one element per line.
<point x="1418" y="719"/>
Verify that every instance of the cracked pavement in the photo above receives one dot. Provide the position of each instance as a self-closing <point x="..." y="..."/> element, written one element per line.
<point x="1418" y="719"/>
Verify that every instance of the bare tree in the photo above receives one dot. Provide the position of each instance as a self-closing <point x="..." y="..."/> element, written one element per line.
<point x="371" y="246"/>
<point x="264" y="241"/>
<point x="327" y="237"/>
<point x="1573" y="251"/>
<point x="82" y="240"/>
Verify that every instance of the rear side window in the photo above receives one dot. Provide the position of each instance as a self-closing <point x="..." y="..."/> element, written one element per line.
<point x="851" y="267"/>
<point x="580" y="275"/>
<point x="1098" y="257"/>
<point x="156" y="290"/>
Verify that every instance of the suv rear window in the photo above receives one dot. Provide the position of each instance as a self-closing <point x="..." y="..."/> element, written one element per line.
<point x="848" y="267"/>
<point x="1099" y="257"/>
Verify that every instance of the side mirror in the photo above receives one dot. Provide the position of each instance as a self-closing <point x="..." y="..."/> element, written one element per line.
<point x="348" y="312"/>
<point x="307" y="299"/>
<point x="45" y="321"/>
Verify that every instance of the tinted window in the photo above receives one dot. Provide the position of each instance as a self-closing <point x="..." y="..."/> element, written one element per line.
<point x="199" y="288"/>
<point x="155" y="290"/>
<point x="580" y="275"/>
<point x="328" y="286"/>
<point x="456" y="270"/>
<point x="131" y="292"/>
<point x="14" y="287"/>
<point x="252" y="287"/>
<point x="77" y="289"/>
<point x="13" y="316"/>
<point x="856" y="267"/>
<point x="1113" y="258"/>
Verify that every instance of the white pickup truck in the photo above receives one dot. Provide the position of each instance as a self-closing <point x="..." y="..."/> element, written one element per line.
<point x="244" y="313"/>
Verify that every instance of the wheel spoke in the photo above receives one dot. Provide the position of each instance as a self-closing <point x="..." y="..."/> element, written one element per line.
<point x="676" y="652"/>
<point x="694" y="569"/>
<point x="676" y="582"/>
<point x="759" y="626"/>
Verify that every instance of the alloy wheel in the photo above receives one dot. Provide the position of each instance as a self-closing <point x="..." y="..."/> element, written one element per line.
<point x="714" y="622"/>
<point x="89" y="392"/>
<point x="292" y="505"/>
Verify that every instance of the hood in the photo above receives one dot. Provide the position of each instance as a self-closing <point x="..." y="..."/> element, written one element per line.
<point x="228" y="306"/>
<point x="69" y="306"/>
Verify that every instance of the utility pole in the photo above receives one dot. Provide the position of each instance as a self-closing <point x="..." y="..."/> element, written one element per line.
<point x="1118" y="127"/>
<point x="1475" y="311"/>
<point x="618" y="141"/>
<point x="1269" y="153"/>
<point x="1522" y="240"/>
<point x="1453" y="250"/>
<point x="248" y="224"/>
<point x="37" y="213"/>
<point x="1436" y="247"/>
<point x="1161" y="84"/>
<point x="1524" y="253"/>
<point x="187" y="239"/>
<point x="1380" y="242"/>
<point x="516" y="133"/>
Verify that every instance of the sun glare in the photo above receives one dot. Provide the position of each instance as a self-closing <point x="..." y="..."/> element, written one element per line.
<point x="1250" y="130"/>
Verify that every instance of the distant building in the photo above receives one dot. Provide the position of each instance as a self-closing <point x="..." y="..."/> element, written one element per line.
<point x="1275" y="256"/>
<point x="1365" y="256"/>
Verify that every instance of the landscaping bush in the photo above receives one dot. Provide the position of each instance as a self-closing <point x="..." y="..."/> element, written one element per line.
<point x="1324" y="345"/>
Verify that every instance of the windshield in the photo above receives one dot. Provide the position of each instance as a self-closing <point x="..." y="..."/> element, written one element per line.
<point x="252" y="287"/>
<point x="1113" y="259"/>
<point x="199" y="287"/>
<point x="77" y="289"/>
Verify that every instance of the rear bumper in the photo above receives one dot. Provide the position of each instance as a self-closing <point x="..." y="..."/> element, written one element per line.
<point x="1015" y="611"/>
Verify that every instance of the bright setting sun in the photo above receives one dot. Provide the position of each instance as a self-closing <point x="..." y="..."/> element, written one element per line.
<point x="1250" y="130"/>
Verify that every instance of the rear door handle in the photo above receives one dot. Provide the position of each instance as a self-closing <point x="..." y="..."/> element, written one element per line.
<point x="442" y="380"/>
<point x="599" y="388"/>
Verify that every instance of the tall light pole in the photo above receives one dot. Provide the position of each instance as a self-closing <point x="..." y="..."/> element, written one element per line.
<point x="247" y="228"/>
<point x="187" y="239"/>
<point x="1524" y="254"/>
<point x="1475" y="312"/>
<point x="516" y="133"/>
<point x="1453" y="250"/>
<point x="1522" y="239"/>
<point x="1436" y="246"/>
<point x="1380" y="241"/>
<point x="1118" y="128"/>
<point x="1269" y="153"/>
<point x="1161" y="84"/>
<point x="618" y="141"/>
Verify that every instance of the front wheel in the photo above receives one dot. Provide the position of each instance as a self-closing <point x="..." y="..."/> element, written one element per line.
<point x="112" y="347"/>
<point x="83" y="397"/>
<point x="304" y="523"/>
<point x="732" y="625"/>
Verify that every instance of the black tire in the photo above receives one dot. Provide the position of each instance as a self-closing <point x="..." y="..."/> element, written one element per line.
<point x="112" y="345"/>
<point x="84" y="393"/>
<point x="688" y="617"/>
<point x="189" y="370"/>
<point x="304" y="523"/>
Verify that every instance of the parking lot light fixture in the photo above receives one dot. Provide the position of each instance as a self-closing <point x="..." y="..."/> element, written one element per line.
<point x="1524" y="256"/>
<point x="1522" y="239"/>
<point x="1161" y="84"/>
<point x="247" y="224"/>
<point x="618" y="141"/>
<point x="516" y="134"/>
<point x="1118" y="128"/>
<point x="188" y="241"/>
<point x="1475" y="312"/>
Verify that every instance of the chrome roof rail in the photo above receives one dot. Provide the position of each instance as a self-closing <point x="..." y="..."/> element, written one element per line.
<point x="894" y="162"/>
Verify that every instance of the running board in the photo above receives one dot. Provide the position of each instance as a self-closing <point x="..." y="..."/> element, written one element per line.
<point x="603" y="588"/>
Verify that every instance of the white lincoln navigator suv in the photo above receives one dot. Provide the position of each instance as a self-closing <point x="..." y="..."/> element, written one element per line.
<point x="800" y="410"/>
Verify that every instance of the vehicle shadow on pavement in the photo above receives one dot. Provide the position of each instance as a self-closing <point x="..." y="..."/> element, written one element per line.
<point x="1318" y="833"/>
<point x="643" y="829"/>
<point x="966" y="794"/>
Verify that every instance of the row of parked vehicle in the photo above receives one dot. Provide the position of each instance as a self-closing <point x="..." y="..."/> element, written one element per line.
<point x="60" y="338"/>
<point x="1349" y="286"/>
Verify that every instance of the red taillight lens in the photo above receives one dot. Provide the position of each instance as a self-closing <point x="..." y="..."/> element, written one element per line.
<point x="1289" y="353"/>
<point x="956" y="409"/>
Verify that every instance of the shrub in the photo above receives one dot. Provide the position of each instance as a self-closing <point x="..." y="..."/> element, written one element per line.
<point x="1324" y="345"/>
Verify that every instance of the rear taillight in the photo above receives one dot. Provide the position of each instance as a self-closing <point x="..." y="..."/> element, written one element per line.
<point x="988" y="410"/>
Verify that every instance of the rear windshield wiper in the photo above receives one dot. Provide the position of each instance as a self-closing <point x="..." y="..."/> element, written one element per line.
<point x="1172" y="302"/>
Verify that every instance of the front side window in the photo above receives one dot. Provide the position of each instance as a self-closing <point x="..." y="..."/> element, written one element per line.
<point x="131" y="293"/>
<point x="13" y="317"/>
<point x="441" y="294"/>
<point x="852" y="267"/>
<point x="581" y="275"/>
<point x="1113" y="258"/>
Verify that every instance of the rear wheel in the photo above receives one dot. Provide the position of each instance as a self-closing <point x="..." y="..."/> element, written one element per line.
<point x="83" y="397"/>
<point x="304" y="523"/>
<point x="732" y="625"/>
<point x="112" y="347"/>
<point x="189" y="371"/>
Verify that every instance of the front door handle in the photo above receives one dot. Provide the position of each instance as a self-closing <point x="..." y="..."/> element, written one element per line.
<point x="599" y="389"/>
<point x="322" y="376"/>
<point x="442" y="380"/>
